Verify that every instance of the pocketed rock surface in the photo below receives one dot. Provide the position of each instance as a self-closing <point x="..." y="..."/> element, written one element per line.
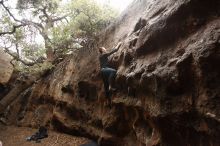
<point x="168" y="81"/>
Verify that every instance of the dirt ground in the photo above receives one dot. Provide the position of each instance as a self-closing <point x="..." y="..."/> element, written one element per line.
<point x="16" y="136"/>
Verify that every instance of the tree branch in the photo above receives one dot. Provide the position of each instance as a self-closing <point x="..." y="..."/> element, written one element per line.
<point x="23" y="22"/>
<point x="9" y="12"/>
<point x="16" y="57"/>
<point x="16" y="47"/>
<point x="45" y="12"/>
<point x="15" y="19"/>
<point x="59" y="18"/>
<point x="13" y="29"/>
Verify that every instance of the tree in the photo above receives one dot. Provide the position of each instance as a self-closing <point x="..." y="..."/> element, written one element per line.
<point x="51" y="27"/>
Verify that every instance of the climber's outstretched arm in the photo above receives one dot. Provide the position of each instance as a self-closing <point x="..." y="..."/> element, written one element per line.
<point x="115" y="49"/>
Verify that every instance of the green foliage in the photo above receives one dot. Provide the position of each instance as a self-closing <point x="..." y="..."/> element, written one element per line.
<point x="32" y="51"/>
<point x="40" y="68"/>
<point x="6" y="23"/>
<point x="51" y="4"/>
<point x="86" y="20"/>
<point x="91" y="17"/>
<point x="19" y="35"/>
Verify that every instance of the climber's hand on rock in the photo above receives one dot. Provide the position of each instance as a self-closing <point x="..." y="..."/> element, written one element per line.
<point x="119" y="45"/>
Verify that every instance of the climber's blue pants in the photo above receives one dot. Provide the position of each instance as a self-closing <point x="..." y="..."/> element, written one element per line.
<point x="108" y="76"/>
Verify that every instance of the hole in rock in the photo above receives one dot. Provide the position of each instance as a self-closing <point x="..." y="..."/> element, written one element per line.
<point x="87" y="90"/>
<point x="67" y="89"/>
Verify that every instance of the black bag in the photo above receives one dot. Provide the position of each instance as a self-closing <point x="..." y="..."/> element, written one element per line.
<point x="42" y="133"/>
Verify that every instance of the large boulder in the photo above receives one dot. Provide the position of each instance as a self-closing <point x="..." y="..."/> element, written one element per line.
<point x="6" y="68"/>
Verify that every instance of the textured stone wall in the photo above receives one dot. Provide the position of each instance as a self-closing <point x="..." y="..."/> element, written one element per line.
<point x="168" y="81"/>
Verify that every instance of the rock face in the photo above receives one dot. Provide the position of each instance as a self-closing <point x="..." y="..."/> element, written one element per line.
<point x="168" y="79"/>
<point x="6" y="68"/>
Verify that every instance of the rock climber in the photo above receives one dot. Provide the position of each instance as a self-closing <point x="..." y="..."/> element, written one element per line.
<point x="108" y="74"/>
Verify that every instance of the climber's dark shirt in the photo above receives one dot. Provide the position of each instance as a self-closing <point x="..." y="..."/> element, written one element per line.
<point x="103" y="59"/>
